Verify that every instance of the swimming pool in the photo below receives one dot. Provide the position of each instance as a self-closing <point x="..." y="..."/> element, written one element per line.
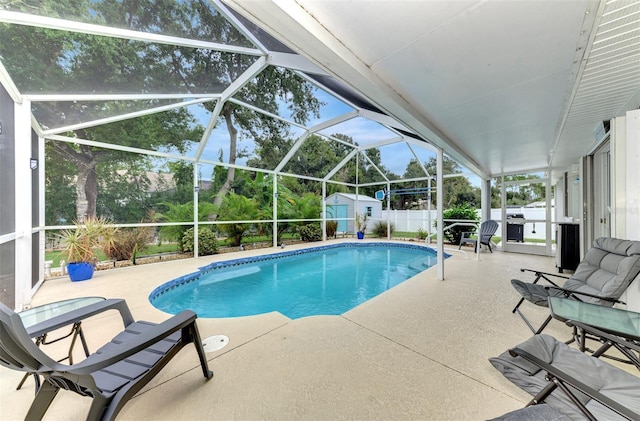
<point x="326" y="280"/>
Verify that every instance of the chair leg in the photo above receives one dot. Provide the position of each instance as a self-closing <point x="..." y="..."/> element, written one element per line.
<point x="528" y="323"/>
<point x="541" y="328"/>
<point x="42" y="401"/>
<point x="518" y="305"/>
<point x="98" y="407"/>
<point x="195" y="335"/>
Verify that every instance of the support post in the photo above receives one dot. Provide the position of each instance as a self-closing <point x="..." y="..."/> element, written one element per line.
<point x="196" y="189"/>
<point x="23" y="203"/>
<point x="440" y="219"/>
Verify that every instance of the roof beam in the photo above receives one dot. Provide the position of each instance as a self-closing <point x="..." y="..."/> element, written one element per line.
<point x="26" y="19"/>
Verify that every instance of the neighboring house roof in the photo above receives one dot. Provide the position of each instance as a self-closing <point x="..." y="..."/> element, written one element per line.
<point x="360" y="197"/>
<point x="157" y="181"/>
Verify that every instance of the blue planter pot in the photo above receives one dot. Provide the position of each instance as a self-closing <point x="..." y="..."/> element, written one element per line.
<point x="80" y="271"/>
<point x="360" y="235"/>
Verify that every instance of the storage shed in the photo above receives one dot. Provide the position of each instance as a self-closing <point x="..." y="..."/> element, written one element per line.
<point x="343" y="206"/>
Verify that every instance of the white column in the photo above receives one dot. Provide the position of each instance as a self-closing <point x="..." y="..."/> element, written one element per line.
<point x="324" y="210"/>
<point x="41" y="208"/>
<point x="439" y="217"/>
<point x="196" y="190"/>
<point x="275" y="210"/>
<point x="23" y="174"/>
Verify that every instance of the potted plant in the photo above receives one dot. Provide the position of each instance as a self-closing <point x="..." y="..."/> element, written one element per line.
<point x="361" y="225"/>
<point x="79" y="246"/>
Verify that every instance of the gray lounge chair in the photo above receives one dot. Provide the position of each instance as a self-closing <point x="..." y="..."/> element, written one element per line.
<point x="487" y="230"/>
<point x="113" y="374"/>
<point x="575" y="384"/>
<point x="602" y="277"/>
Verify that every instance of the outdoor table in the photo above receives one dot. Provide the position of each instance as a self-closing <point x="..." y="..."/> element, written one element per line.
<point x="41" y="320"/>
<point x="593" y="319"/>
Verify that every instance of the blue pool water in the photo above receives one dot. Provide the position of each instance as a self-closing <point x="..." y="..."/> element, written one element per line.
<point x="319" y="281"/>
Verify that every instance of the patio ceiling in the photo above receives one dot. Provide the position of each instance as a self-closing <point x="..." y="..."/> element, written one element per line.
<point x="502" y="86"/>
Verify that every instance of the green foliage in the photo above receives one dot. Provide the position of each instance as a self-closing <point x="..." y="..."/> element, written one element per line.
<point x="456" y="190"/>
<point x="331" y="228"/>
<point x="422" y="234"/>
<point x="177" y="212"/>
<point x="310" y="232"/>
<point x="463" y="212"/>
<point x="207" y="242"/>
<point x="81" y="243"/>
<point x="380" y="228"/>
<point x="518" y="195"/>
<point x="236" y="208"/>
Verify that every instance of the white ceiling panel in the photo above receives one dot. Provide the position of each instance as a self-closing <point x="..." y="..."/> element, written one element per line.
<point x="501" y="86"/>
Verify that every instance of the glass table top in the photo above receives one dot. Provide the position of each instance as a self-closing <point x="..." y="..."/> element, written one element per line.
<point x="614" y="320"/>
<point x="44" y="312"/>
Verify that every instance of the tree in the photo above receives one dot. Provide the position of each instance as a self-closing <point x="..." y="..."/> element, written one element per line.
<point x="65" y="61"/>
<point x="267" y="91"/>
<point x="457" y="190"/>
<point x="171" y="129"/>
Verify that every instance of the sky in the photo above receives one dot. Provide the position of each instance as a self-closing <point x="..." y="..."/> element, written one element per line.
<point x="365" y="132"/>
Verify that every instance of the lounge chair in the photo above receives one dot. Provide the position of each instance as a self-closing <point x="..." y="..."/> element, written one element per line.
<point x="110" y="376"/>
<point x="602" y="277"/>
<point x="487" y="230"/>
<point x="575" y="384"/>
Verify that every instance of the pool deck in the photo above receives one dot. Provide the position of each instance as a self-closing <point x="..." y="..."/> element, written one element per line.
<point x="417" y="352"/>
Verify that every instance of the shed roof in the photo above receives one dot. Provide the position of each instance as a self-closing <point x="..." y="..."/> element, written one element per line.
<point x="354" y="197"/>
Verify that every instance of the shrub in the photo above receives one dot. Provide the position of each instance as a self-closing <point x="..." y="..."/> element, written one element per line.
<point x="207" y="243"/>
<point x="463" y="212"/>
<point x="127" y="243"/>
<point x="310" y="232"/>
<point x="380" y="228"/>
<point x="422" y="234"/>
<point x="332" y="228"/>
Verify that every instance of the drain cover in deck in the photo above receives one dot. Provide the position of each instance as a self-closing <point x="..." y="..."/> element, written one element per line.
<point x="215" y="343"/>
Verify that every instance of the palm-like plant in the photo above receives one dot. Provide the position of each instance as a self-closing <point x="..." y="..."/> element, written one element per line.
<point x="237" y="208"/>
<point x="81" y="243"/>
<point x="182" y="212"/>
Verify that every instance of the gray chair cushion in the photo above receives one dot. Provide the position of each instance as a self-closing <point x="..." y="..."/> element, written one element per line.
<point x="536" y="293"/>
<point x="606" y="270"/>
<point x="619" y="385"/>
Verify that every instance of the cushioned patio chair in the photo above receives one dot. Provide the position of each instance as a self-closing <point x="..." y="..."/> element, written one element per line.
<point x="602" y="277"/>
<point x="487" y="230"/>
<point x="575" y="384"/>
<point x="113" y="374"/>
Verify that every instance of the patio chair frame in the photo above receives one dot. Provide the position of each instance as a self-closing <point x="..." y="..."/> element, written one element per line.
<point x="146" y="346"/>
<point x="565" y="382"/>
<point x="561" y="292"/>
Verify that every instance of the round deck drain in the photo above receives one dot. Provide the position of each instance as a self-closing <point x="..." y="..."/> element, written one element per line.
<point x="215" y="343"/>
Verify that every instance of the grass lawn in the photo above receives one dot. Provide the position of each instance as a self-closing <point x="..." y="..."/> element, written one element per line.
<point x="56" y="256"/>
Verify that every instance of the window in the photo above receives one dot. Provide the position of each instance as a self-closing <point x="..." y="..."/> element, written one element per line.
<point x="369" y="210"/>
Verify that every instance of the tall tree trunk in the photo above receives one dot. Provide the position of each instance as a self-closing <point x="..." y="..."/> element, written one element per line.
<point x="86" y="182"/>
<point x="86" y="190"/>
<point x="227" y="113"/>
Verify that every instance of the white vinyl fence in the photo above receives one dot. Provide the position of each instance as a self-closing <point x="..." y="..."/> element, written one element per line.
<point x="412" y="220"/>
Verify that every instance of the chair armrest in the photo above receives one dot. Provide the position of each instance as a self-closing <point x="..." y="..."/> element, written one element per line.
<point x="543" y="274"/>
<point x="80" y="314"/>
<point x="572" y="293"/>
<point x="556" y="375"/>
<point x="140" y="342"/>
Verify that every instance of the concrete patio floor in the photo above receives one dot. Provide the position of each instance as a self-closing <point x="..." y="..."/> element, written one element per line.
<point x="417" y="352"/>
